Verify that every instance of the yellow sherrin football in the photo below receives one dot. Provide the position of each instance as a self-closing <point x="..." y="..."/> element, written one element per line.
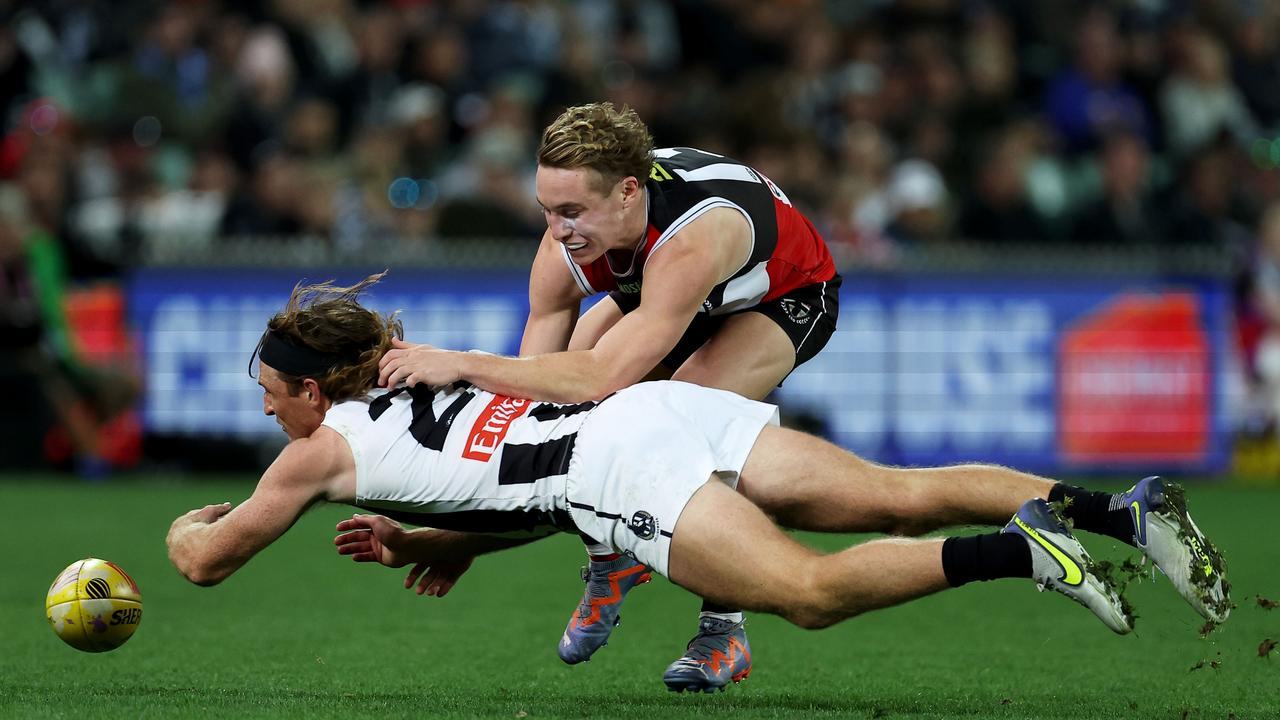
<point x="93" y="605"/>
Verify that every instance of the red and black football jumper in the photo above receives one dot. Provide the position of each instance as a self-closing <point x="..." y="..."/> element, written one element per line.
<point x="789" y="275"/>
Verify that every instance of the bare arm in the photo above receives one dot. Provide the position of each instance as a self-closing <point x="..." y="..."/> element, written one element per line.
<point x="374" y="538"/>
<point x="554" y="299"/>
<point x="209" y="544"/>
<point x="440" y="557"/>
<point x="475" y="544"/>
<point x="677" y="279"/>
<point x="595" y="323"/>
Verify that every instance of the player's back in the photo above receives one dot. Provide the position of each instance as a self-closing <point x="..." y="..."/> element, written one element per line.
<point x="460" y="458"/>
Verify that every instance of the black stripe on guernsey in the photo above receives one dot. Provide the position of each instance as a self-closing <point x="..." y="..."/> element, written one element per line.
<point x="484" y="521"/>
<point x="599" y="513"/>
<point x="551" y="411"/>
<point x="433" y="438"/>
<point x="610" y="516"/>
<point x="423" y="420"/>
<point x="424" y="427"/>
<point x="523" y="464"/>
<point x="97" y="589"/>
<point x="380" y="404"/>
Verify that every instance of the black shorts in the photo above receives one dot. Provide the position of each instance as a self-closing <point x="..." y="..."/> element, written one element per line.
<point x="807" y="315"/>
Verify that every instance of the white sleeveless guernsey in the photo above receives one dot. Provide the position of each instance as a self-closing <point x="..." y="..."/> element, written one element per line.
<point x="461" y="458"/>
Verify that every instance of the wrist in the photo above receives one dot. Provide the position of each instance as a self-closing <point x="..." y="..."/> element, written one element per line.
<point x="462" y="366"/>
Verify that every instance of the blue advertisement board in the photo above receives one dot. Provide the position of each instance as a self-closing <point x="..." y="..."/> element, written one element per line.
<point x="198" y="330"/>
<point x="931" y="370"/>
<point x="1043" y="373"/>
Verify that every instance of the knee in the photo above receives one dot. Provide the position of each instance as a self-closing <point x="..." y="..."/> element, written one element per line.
<point x="814" y="605"/>
<point x="910" y="512"/>
<point x="812" y="618"/>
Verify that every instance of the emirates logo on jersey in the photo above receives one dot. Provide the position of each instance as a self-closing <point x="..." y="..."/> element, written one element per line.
<point x="492" y="426"/>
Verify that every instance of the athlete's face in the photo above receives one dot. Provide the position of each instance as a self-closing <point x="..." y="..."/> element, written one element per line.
<point x="588" y="220"/>
<point x="298" y="415"/>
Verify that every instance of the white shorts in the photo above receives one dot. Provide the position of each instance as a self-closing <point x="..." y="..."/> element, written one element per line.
<point x="646" y="450"/>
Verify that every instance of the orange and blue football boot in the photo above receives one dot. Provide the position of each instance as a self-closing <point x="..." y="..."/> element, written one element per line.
<point x="717" y="655"/>
<point x="608" y="582"/>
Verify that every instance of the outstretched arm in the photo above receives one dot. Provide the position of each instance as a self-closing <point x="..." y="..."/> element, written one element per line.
<point x="439" y="556"/>
<point x="208" y="544"/>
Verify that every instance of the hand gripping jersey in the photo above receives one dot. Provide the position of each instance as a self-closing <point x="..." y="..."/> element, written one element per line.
<point x="461" y="458"/>
<point x="786" y="251"/>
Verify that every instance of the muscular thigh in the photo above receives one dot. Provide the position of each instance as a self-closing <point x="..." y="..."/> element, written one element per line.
<point x="748" y="354"/>
<point x="725" y="549"/>
<point x="807" y="483"/>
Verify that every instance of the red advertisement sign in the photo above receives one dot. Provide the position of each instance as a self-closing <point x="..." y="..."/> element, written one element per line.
<point x="1135" y="382"/>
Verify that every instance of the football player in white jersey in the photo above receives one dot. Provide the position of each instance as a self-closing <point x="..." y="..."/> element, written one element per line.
<point x="713" y="277"/>
<point x="698" y="512"/>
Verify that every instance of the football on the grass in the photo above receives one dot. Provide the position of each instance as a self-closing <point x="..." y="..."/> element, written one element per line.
<point x="94" y="605"/>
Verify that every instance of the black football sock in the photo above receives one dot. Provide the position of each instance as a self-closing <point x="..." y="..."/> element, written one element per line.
<point x="985" y="557"/>
<point x="1095" y="512"/>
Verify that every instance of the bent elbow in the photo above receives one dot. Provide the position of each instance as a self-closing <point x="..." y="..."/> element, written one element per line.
<point x="610" y="382"/>
<point x="595" y="378"/>
<point x="602" y="391"/>
<point x="588" y="387"/>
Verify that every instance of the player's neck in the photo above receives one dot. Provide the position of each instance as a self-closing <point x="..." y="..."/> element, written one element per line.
<point x="639" y="223"/>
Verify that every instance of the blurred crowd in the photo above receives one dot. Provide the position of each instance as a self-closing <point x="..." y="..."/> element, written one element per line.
<point x="375" y="126"/>
<point x="892" y="123"/>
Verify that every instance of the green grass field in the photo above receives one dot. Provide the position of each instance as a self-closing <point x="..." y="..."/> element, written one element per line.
<point x="301" y="632"/>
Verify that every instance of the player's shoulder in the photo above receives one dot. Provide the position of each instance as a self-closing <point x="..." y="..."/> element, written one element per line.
<point x="321" y="444"/>
<point x="684" y="180"/>
<point x="688" y="158"/>
<point x="688" y="175"/>
<point x="311" y="460"/>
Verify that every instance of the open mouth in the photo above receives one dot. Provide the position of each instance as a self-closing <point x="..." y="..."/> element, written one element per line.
<point x="575" y="246"/>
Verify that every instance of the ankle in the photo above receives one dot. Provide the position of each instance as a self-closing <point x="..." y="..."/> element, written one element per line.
<point x="730" y="616"/>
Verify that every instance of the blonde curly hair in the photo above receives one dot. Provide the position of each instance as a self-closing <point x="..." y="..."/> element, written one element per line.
<point x="329" y="319"/>
<point x="615" y="143"/>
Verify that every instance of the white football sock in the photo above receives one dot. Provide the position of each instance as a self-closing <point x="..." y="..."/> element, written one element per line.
<point x="733" y="617"/>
